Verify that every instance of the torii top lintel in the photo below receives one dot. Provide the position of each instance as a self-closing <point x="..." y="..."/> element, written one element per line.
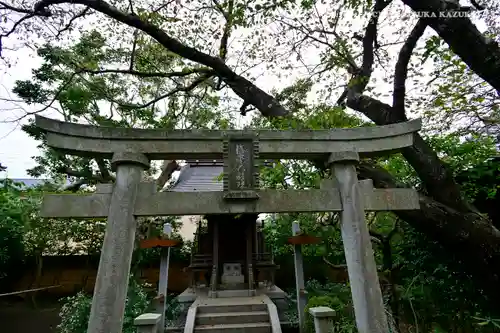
<point x="156" y="144"/>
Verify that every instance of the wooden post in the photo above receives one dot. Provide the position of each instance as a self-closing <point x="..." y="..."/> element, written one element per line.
<point x="198" y="236"/>
<point x="363" y="278"/>
<point x="163" y="281"/>
<point x="215" y="260"/>
<point x="256" y="248"/>
<point x="249" y="266"/>
<point x="148" y="323"/>
<point x="110" y="292"/>
<point x="322" y="317"/>
<point x="299" y="279"/>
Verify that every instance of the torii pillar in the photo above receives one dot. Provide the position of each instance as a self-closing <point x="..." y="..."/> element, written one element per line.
<point x="362" y="270"/>
<point x="110" y="292"/>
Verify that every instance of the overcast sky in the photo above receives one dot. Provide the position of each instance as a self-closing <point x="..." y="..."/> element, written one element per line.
<point x="16" y="148"/>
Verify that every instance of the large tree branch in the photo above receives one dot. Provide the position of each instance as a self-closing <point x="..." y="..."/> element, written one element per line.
<point x="103" y="169"/>
<point x="246" y="90"/>
<point x="434" y="174"/>
<point x="469" y="236"/>
<point x="4" y="5"/>
<point x="482" y="55"/>
<point x="342" y="267"/>
<point x="74" y="187"/>
<point x="226" y="32"/>
<point x="167" y="169"/>
<point x="89" y="176"/>
<point x="362" y="74"/>
<point x="401" y="72"/>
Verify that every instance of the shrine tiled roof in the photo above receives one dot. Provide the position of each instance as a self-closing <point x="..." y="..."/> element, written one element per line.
<point x="200" y="175"/>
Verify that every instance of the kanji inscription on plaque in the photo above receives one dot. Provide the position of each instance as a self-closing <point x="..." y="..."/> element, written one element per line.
<point x="240" y="168"/>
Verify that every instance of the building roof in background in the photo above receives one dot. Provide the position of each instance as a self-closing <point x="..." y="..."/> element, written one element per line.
<point x="30" y="182"/>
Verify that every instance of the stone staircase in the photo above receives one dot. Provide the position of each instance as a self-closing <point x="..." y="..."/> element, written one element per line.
<point x="238" y="315"/>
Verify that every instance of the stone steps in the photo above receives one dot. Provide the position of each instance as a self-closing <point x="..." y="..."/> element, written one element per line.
<point x="232" y="318"/>
<point x="219" y="307"/>
<point x="238" y="315"/>
<point x="235" y="328"/>
<point x="235" y="293"/>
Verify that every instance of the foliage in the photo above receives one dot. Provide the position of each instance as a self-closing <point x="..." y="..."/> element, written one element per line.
<point x="335" y="296"/>
<point x="429" y="284"/>
<point x="458" y="93"/>
<point x="459" y="155"/>
<point x="174" y="310"/>
<point x="75" y="311"/>
<point x="70" y="81"/>
<point x="14" y="214"/>
<point x="433" y="286"/>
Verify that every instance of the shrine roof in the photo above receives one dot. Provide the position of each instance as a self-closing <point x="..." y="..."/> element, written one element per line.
<point x="200" y="175"/>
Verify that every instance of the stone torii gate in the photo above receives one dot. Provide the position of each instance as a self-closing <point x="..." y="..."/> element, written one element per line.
<point x="130" y="151"/>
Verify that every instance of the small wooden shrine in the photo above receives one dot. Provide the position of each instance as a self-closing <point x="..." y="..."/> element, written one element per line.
<point x="229" y="256"/>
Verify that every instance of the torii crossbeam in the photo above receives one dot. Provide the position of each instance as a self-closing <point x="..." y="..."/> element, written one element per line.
<point x="131" y="151"/>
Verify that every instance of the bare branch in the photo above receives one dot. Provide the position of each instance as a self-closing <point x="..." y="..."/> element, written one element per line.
<point x="186" y="89"/>
<point x="361" y="75"/>
<point x="18" y="22"/>
<point x="134" y="46"/>
<point x="333" y="266"/>
<point x="72" y="20"/>
<point x="14" y="27"/>
<point x="148" y="74"/>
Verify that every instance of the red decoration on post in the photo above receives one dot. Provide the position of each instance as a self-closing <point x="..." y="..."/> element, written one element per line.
<point x="158" y="242"/>
<point x="303" y="240"/>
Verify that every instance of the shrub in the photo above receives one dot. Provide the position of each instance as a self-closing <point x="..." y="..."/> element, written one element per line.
<point x="75" y="311"/>
<point x="335" y="296"/>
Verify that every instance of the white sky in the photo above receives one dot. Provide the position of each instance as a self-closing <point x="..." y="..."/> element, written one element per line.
<point x="16" y="148"/>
